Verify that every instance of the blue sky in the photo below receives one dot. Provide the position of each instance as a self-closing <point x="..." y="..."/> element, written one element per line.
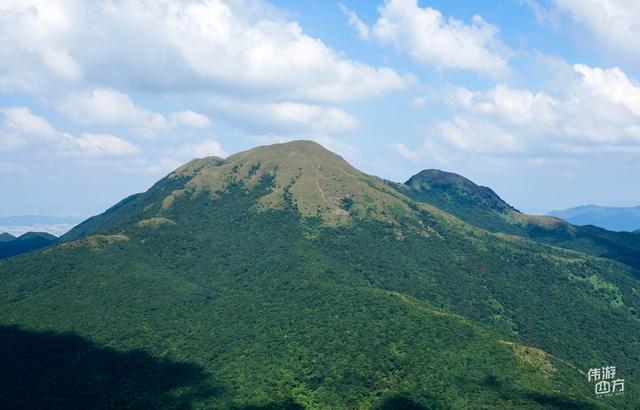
<point x="540" y="100"/>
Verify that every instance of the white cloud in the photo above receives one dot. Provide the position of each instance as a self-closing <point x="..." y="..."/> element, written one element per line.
<point x="286" y="117"/>
<point x="614" y="23"/>
<point x="235" y="47"/>
<point x="206" y="148"/>
<point x="190" y="118"/>
<point x="477" y="136"/>
<point x="405" y="152"/>
<point x="91" y="60"/>
<point x="354" y="21"/>
<point x="583" y="110"/>
<point x="20" y="128"/>
<point x="106" y="106"/>
<point x="444" y="43"/>
<point x="100" y="145"/>
<point x="513" y="105"/>
<point x="612" y="84"/>
<point x="33" y="43"/>
<point x="20" y="120"/>
<point x="111" y="107"/>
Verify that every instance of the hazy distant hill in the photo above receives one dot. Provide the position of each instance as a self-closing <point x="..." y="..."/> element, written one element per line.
<point x="56" y="225"/>
<point x="282" y="277"/>
<point x="24" y="243"/>
<point x="614" y="219"/>
<point x="5" y="237"/>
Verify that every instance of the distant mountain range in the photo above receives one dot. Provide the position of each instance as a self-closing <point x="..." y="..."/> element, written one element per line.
<point x="611" y="218"/>
<point x="30" y="241"/>
<point x="17" y="225"/>
<point x="282" y="277"/>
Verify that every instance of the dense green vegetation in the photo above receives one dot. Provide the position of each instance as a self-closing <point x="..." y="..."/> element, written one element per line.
<point x="480" y="206"/>
<point x="215" y="302"/>
<point x="47" y="370"/>
<point x="453" y="193"/>
<point x="11" y="246"/>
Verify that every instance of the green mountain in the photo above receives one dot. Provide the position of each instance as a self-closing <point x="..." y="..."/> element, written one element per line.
<point x="611" y="218"/>
<point x="5" y="237"/>
<point x="454" y="193"/>
<point x="481" y="207"/>
<point x="25" y="243"/>
<point x="282" y="277"/>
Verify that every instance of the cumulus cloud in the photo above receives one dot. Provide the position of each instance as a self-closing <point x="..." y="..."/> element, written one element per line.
<point x="21" y="120"/>
<point x="111" y="107"/>
<point x="91" y="60"/>
<point x="206" y="148"/>
<point x="99" y="145"/>
<point x="217" y="46"/>
<point x="20" y="127"/>
<point x="33" y="44"/>
<point x="477" y="136"/>
<point x="613" y="23"/>
<point x="430" y="38"/>
<point x="105" y="106"/>
<point x="612" y="85"/>
<point x="513" y="105"/>
<point x="190" y="118"/>
<point x="585" y="110"/>
<point x="285" y="117"/>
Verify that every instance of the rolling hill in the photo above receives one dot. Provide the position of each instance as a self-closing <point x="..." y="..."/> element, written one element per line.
<point x="282" y="277"/>
<point x="611" y="218"/>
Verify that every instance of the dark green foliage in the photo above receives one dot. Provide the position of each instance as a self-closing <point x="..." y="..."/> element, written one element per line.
<point x="27" y="242"/>
<point x="47" y="370"/>
<point x="346" y="203"/>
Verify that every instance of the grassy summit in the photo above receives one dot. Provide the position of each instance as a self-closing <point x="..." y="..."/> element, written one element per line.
<point x="319" y="182"/>
<point x="283" y="277"/>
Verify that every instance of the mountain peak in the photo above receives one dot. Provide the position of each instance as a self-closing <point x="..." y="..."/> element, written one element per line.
<point x="441" y="177"/>
<point x="316" y="178"/>
<point x="299" y="174"/>
<point x="448" y="188"/>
